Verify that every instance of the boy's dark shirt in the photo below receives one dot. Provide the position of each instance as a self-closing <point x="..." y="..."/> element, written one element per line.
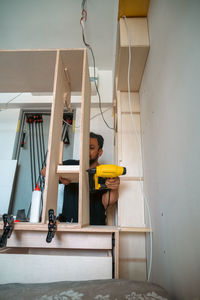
<point x="70" y="204"/>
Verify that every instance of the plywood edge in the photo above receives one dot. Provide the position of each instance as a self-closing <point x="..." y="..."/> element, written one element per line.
<point x="61" y="88"/>
<point x="67" y="169"/>
<point x="83" y="214"/>
<point x="69" y="172"/>
<point x="62" y="227"/>
<point x="134" y="229"/>
<point x="131" y="178"/>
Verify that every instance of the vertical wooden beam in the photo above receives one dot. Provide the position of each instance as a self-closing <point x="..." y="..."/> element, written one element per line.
<point x="116" y="254"/>
<point x="83" y="217"/>
<point x="60" y="90"/>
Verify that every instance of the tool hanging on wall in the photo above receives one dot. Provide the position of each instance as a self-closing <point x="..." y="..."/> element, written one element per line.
<point x="67" y="121"/>
<point x="51" y="226"/>
<point x="23" y="138"/>
<point x="37" y="148"/>
<point x="7" y="229"/>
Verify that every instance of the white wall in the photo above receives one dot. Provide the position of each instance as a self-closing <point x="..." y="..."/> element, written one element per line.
<point x="8" y="130"/>
<point x="51" y="24"/>
<point x="170" y="106"/>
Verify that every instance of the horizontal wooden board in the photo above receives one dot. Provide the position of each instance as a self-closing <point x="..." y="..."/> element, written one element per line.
<point x="70" y="240"/>
<point x="51" y="268"/>
<point x="33" y="70"/>
<point x="69" y="172"/>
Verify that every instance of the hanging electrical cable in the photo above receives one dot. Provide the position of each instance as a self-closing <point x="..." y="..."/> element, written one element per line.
<point x="82" y="20"/>
<point x="93" y="117"/>
<point x="140" y="152"/>
<point x="9" y="101"/>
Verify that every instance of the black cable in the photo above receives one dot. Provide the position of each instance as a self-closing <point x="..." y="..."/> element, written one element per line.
<point x="90" y="48"/>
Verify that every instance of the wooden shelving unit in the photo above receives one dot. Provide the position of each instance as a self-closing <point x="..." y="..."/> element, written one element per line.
<point x="63" y="71"/>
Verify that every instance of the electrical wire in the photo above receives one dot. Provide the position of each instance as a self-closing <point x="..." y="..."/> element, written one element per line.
<point x="84" y="19"/>
<point x="93" y="117"/>
<point x="11" y="101"/>
<point x="140" y="152"/>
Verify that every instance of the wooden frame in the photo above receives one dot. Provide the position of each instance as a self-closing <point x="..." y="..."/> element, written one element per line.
<point x="64" y="71"/>
<point x="59" y="71"/>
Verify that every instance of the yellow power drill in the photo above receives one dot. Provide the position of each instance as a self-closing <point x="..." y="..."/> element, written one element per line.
<point x="98" y="175"/>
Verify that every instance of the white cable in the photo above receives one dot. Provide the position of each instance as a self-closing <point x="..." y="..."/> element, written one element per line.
<point x="140" y="153"/>
<point x="6" y="104"/>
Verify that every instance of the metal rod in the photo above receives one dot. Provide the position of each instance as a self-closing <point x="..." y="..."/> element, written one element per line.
<point x="30" y="143"/>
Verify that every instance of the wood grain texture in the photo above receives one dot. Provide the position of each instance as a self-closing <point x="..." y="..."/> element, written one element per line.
<point x="84" y="145"/>
<point x="69" y="172"/>
<point x="134" y="100"/>
<point x="53" y="268"/>
<point x="64" y="240"/>
<point x="33" y="70"/>
<point x="130" y="205"/>
<point x="139" y="41"/>
<point x="51" y="186"/>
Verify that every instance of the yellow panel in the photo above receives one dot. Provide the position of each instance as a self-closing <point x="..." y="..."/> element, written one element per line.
<point x="133" y="8"/>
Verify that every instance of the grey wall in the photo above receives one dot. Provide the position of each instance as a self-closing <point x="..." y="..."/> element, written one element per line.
<point x="32" y="24"/>
<point x="170" y="105"/>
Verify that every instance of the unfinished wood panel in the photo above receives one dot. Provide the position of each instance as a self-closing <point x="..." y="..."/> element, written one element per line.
<point x="139" y="41"/>
<point x="131" y="152"/>
<point x="132" y="256"/>
<point x="51" y="268"/>
<point x="116" y="255"/>
<point x="69" y="240"/>
<point x="33" y="70"/>
<point x="119" y="128"/>
<point x="61" y="88"/>
<point x="84" y="145"/>
<point x="132" y="270"/>
<point x="73" y="61"/>
<point x="27" y="71"/>
<point x="131" y="205"/>
<point x="69" y="172"/>
<point x="134" y="100"/>
<point x="62" y="227"/>
<point x="132" y="245"/>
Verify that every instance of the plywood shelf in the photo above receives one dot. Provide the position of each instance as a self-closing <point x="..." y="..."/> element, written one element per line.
<point x="33" y="70"/>
<point x="69" y="172"/>
<point x="139" y="44"/>
<point x="74" y="227"/>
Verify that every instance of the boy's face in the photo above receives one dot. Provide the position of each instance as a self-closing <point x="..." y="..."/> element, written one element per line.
<point x="95" y="152"/>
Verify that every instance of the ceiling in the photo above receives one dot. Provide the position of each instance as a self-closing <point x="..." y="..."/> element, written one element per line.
<point x="40" y="24"/>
